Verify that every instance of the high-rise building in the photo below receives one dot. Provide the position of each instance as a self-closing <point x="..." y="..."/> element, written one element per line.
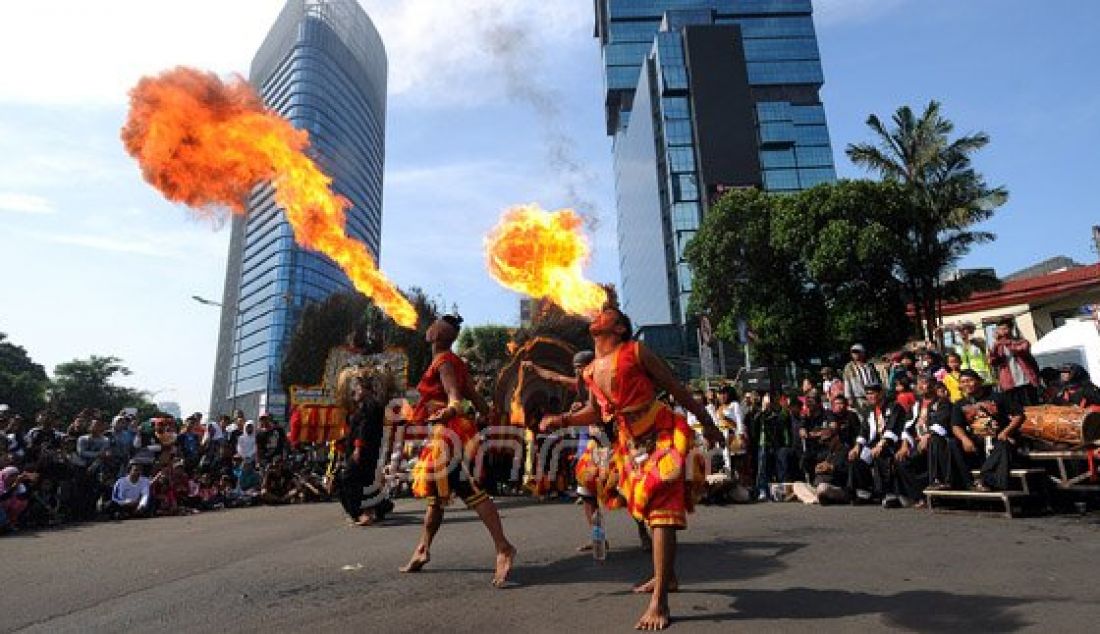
<point x="702" y="96"/>
<point x="323" y="67"/>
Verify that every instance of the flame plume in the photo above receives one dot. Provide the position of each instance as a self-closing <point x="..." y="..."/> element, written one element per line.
<point x="207" y="143"/>
<point x="541" y="254"/>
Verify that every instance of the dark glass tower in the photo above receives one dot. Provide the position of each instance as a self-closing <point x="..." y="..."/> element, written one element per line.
<point x="702" y="96"/>
<point x="323" y="67"/>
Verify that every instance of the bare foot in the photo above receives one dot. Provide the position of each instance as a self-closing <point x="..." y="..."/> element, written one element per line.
<point x="366" y="519"/>
<point x="420" y="558"/>
<point x="647" y="587"/>
<point x="656" y="617"/>
<point x="504" y="566"/>
<point x="585" y="547"/>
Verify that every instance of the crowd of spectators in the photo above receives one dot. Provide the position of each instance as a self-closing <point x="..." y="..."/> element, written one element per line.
<point x="102" y="467"/>
<point x="924" y="418"/>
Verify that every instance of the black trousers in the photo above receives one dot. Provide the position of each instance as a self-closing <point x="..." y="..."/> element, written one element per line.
<point x="877" y="477"/>
<point x="359" y="491"/>
<point x="998" y="465"/>
<point x="911" y="476"/>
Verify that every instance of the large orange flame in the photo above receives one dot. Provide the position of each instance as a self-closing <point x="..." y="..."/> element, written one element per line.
<point x="541" y="254"/>
<point x="207" y="143"/>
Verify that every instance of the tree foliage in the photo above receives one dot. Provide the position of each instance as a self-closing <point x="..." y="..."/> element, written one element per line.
<point x="352" y="318"/>
<point x="89" y="384"/>
<point x="485" y="347"/>
<point x="946" y="199"/>
<point x="810" y="272"/>
<point x="23" y="382"/>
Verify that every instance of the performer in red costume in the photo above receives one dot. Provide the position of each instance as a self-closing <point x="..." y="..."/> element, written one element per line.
<point x="445" y="465"/>
<point x="656" y="473"/>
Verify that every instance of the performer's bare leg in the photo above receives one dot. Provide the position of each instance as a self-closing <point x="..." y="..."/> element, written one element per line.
<point x="506" y="552"/>
<point x="589" y="514"/>
<point x="433" y="519"/>
<point x="656" y="616"/>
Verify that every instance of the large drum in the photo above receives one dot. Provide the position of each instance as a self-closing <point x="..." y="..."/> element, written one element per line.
<point x="1062" y="424"/>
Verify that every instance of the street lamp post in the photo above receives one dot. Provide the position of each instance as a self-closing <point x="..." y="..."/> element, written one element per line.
<point x="236" y="345"/>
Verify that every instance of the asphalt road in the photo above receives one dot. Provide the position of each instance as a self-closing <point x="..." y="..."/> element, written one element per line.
<point x="768" y="567"/>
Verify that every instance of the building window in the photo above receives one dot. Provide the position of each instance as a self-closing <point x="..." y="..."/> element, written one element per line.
<point x="780" y="180"/>
<point x="772" y="159"/>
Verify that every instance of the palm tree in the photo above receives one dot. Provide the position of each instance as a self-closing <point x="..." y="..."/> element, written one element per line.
<point x="947" y="199"/>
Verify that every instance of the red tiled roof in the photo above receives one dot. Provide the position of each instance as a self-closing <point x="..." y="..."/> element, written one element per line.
<point x="1028" y="290"/>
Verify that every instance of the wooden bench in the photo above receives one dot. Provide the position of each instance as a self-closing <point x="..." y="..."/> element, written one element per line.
<point x="1011" y="500"/>
<point x="1029" y="491"/>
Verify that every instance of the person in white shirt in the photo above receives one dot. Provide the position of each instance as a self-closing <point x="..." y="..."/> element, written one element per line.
<point x="246" y="442"/>
<point x="130" y="496"/>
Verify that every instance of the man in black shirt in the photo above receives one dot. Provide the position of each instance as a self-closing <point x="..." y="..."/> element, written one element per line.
<point x="986" y="423"/>
<point x="930" y="423"/>
<point x="270" y="440"/>
<point x="361" y="490"/>
<point x="1076" y="388"/>
<point x="870" y="461"/>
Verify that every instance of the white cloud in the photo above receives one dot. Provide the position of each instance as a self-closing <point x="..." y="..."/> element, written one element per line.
<point x="25" y="203"/>
<point x="836" y="12"/>
<point x="91" y="53"/>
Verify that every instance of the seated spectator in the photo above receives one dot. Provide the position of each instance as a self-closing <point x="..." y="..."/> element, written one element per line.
<point x="209" y="493"/>
<point x="911" y="462"/>
<point x="985" y="425"/>
<point x="903" y="393"/>
<point x="1076" y="388"/>
<point x="815" y="434"/>
<point x="132" y="495"/>
<point x="278" y="484"/>
<point x="950" y="375"/>
<point x="870" y="460"/>
<point x="248" y="479"/>
<point x="146" y="446"/>
<point x="188" y="442"/>
<point x="14" y="496"/>
<point x="843" y="420"/>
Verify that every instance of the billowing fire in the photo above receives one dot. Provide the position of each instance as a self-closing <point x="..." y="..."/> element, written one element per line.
<point x="207" y="143"/>
<point x="541" y="254"/>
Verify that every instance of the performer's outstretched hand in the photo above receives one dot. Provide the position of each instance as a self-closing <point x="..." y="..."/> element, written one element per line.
<point x="549" y="423"/>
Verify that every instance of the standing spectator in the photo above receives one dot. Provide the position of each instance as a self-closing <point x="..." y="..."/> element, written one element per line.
<point x="43" y="440"/>
<point x="88" y="463"/>
<point x="146" y="446"/>
<point x="773" y="442"/>
<point x="17" y="440"/>
<point x="270" y="440"/>
<point x="188" y="442"/>
<point x="858" y="374"/>
<point x="972" y="353"/>
<point x="831" y="386"/>
<point x="951" y="374"/>
<point x="131" y="496"/>
<point x="1017" y="371"/>
<point x="903" y="366"/>
<point x="246" y="442"/>
<point x="903" y="393"/>
<point x="213" y="440"/>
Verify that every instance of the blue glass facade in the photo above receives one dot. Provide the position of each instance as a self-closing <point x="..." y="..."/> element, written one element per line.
<point x="323" y="67"/>
<point x="650" y="101"/>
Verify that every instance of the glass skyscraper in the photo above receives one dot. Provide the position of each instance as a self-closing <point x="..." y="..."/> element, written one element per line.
<point x="702" y="96"/>
<point x="323" y="67"/>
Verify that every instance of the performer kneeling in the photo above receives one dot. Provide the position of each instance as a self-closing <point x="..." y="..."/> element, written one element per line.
<point x="656" y="472"/>
<point x="445" y="464"/>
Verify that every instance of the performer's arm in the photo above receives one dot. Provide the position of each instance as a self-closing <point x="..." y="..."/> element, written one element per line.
<point x="587" y="415"/>
<point x="571" y="382"/>
<point x="478" y="400"/>
<point x="667" y="381"/>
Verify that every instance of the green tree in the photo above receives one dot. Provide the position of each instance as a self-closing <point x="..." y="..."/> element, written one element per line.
<point x="23" y="382"/>
<point x="485" y="347"/>
<point x="947" y="198"/>
<point x="353" y="318"/>
<point x="89" y="384"/>
<point x="809" y="272"/>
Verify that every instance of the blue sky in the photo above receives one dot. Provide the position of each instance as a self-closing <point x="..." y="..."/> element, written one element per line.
<point x="95" y="262"/>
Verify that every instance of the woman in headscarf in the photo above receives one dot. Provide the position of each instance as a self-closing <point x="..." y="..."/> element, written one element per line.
<point x="246" y="442"/>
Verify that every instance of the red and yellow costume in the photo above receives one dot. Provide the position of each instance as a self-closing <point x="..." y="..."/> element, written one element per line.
<point x="654" y="468"/>
<point x="444" y="465"/>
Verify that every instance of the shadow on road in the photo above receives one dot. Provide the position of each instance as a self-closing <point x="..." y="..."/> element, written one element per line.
<point x="921" y="610"/>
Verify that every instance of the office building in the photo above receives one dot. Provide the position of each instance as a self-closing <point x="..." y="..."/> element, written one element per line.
<point x="702" y="96"/>
<point x="323" y="67"/>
